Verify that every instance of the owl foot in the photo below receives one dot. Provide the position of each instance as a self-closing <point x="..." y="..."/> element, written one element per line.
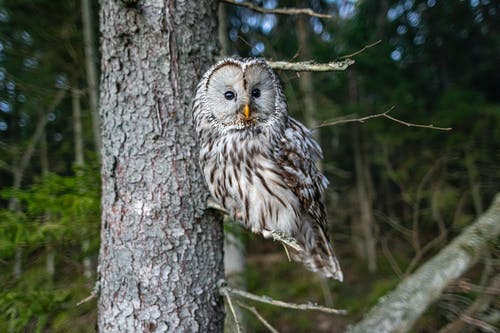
<point x="285" y="239"/>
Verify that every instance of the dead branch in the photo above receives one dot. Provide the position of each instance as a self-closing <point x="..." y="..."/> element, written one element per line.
<point x="398" y="310"/>
<point x="259" y="316"/>
<point x="225" y="289"/>
<point x="225" y="293"/>
<point x="378" y="115"/>
<point x="309" y="66"/>
<point x="361" y="50"/>
<point x="280" y="11"/>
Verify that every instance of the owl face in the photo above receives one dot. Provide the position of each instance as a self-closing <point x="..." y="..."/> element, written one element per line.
<point x="241" y="95"/>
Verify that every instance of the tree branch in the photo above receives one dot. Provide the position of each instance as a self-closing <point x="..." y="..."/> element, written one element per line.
<point x="398" y="311"/>
<point x="258" y="315"/>
<point x="225" y="293"/>
<point x="378" y="115"/>
<point x="225" y="289"/>
<point x="280" y="11"/>
<point x="309" y="66"/>
<point x="361" y="50"/>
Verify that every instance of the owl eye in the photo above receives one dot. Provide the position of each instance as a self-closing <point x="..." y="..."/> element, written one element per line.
<point x="256" y="93"/>
<point x="229" y="95"/>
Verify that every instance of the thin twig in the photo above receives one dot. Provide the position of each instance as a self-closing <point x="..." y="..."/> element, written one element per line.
<point x="95" y="291"/>
<point x="281" y="11"/>
<point x="259" y="317"/>
<point x="267" y="300"/>
<point x="309" y="66"/>
<point x="225" y="293"/>
<point x="92" y="295"/>
<point x="354" y="120"/>
<point x="378" y="115"/>
<point x="361" y="50"/>
<point x="417" y="125"/>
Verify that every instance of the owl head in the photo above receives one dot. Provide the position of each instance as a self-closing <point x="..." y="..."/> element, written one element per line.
<point x="239" y="96"/>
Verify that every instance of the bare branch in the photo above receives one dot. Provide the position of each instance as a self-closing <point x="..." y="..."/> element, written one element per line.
<point x="361" y="50"/>
<point x="417" y="125"/>
<point x="259" y="317"/>
<point x="309" y="66"/>
<point x="280" y="11"/>
<point x="378" y="115"/>
<point x="225" y="293"/>
<point x="223" y="288"/>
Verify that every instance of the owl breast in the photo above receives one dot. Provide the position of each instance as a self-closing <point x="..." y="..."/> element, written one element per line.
<point x="244" y="178"/>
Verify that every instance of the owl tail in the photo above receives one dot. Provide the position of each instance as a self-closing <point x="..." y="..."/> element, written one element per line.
<point x="317" y="252"/>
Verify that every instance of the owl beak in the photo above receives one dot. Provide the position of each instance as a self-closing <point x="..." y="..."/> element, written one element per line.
<point x="246" y="111"/>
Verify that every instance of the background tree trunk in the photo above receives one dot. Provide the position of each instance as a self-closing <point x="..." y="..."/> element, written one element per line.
<point x="161" y="251"/>
<point x="91" y="71"/>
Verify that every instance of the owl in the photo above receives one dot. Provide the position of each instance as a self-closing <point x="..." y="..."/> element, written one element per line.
<point x="259" y="163"/>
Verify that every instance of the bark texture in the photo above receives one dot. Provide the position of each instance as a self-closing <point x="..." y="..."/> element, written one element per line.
<point x="161" y="252"/>
<point x="398" y="311"/>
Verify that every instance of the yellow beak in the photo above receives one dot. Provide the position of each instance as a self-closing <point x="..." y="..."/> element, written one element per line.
<point x="246" y="111"/>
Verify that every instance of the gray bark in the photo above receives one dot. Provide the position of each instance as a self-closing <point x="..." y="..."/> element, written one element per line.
<point x="91" y="70"/>
<point x="161" y="251"/>
<point x="398" y="311"/>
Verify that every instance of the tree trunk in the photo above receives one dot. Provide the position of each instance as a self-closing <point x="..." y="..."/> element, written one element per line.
<point x="365" y="225"/>
<point x="79" y="162"/>
<point x="91" y="70"/>
<point x="161" y="251"/>
<point x="50" y="262"/>
<point x="398" y="311"/>
<point x="77" y="128"/>
<point x="306" y="81"/>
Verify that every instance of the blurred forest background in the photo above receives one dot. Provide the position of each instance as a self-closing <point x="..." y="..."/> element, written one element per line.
<point x="397" y="196"/>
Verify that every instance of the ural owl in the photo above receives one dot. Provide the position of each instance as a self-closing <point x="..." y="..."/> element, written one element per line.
<point x="259" y="163"/>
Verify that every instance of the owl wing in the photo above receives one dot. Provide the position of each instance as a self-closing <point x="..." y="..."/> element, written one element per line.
<point x="297" y="157"/>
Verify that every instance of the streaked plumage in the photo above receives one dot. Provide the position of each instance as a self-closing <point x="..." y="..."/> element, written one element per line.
<point x="259" y="163"/>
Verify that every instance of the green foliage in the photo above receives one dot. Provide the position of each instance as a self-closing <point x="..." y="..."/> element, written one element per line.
<point x="57" y="214"/>
<point x="27" y="308"/>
